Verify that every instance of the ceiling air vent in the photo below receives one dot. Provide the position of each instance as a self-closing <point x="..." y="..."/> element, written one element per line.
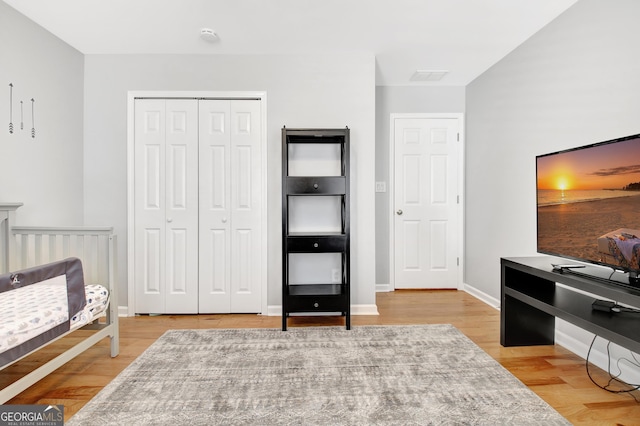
<point x="428" y="75"/>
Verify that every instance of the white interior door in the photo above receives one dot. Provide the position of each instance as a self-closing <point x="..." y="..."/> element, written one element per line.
<point x="425" y="202"/>
<point x="230" y="204"/>
<point x="166" y="206"/>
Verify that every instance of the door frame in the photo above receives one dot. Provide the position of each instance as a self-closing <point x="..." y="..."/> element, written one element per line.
<point x="196" y="95"/>
<point x="391" y="210"/>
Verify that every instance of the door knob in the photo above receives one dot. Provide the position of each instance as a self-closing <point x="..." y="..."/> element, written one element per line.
<point x="399" y="212"/>
<point x="224" y="220"/>
<point x="169" y="220"/>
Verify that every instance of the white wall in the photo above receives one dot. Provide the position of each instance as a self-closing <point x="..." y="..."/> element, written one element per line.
<point x="44" y="173"/>
<point x="573" y="83"/>
<point x="302" y="91"/>
<point x="402" y="99"/>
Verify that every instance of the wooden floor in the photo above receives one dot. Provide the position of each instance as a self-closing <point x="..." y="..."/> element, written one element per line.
<point x="555" y="374"/>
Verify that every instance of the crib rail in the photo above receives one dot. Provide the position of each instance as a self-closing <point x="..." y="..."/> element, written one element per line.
<point x="36" y="245"/>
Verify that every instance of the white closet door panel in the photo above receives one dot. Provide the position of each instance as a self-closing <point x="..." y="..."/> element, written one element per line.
<point x="154" y="261"/>
<point x="182" y="207"/>
<point x="242" y="258"/>
<point x="149" y="205"/>
<point x="216" y="268"/>
<point x="153" y="185"/>
<point x="246" y="199"/>
<point x="177" y="175"/>
<point x="215" y="273"/>
<point x="166" y="206"/>
<point x="177" y="263"/>
<point x="216" y="179"/>
<point x="215" y="214"/>
<point x="243" y="173"/>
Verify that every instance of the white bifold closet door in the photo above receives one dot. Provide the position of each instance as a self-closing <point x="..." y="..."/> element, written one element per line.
<point x="166" y="206"/>
<point x="230" y="200"/>
<point x="198" y="197"/>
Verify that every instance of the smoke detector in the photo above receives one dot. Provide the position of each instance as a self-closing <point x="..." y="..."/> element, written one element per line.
<point x="208" y="34"/>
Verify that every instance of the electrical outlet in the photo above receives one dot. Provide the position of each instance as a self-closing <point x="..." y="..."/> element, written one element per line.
<point x="381" y="187"/>
<point x="335" y="276"/>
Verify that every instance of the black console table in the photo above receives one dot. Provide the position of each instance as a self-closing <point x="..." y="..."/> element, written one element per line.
<point x="531" y="301"/>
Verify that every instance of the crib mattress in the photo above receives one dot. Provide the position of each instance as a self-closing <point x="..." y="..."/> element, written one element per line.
<point x="96" y="307"/>
<point x="33" y="310"/>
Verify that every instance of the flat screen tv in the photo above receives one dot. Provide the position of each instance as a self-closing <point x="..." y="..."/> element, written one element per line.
<point x="588" y="204"/>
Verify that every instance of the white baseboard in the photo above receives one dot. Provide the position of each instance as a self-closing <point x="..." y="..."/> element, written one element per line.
<point x="384" y="288"/>
<point x="489" y="300"/>
<point x="276" y="311"/>
<point x="364" y="310"/>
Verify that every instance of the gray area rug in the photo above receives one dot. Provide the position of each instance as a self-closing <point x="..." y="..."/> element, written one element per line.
<point x="387" y="375"/>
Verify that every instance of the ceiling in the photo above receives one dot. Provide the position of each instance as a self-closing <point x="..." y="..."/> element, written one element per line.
<point x="463" y="37"/>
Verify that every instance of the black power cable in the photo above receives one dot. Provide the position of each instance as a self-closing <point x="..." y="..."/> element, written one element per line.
<point x="614" y="378"/>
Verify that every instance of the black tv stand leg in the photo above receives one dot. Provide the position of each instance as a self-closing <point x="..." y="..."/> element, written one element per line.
<point x="524" y="325"/>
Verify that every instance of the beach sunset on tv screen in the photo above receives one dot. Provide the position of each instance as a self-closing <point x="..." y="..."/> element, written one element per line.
<point x="588" y="203"/>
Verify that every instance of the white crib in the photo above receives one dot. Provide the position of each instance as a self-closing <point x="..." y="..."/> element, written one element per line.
<point x="26" y="246"/>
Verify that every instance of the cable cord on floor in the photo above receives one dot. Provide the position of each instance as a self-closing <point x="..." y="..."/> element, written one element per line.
<point x="615" y="378"/>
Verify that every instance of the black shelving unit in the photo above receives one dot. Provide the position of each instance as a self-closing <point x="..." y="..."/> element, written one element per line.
<point x="326" y="297"/>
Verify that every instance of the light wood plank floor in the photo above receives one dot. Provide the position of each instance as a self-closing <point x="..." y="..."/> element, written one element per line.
<point x="555" y="374"/>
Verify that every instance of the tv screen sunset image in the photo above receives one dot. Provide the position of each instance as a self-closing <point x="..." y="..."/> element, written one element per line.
<point x="589" y="203"/>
